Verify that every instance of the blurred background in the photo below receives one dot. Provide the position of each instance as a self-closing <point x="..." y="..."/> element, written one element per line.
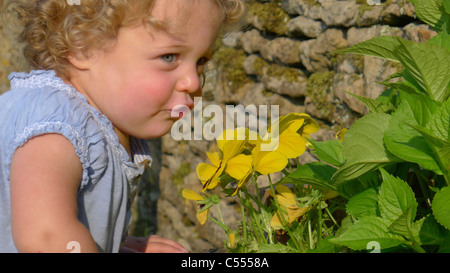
<point x="285" y="54"/>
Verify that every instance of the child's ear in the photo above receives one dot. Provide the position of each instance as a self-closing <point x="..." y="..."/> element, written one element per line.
<point x="81" y="60"/>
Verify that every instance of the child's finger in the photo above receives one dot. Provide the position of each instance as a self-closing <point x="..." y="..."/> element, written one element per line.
<point x="164" y="244"/>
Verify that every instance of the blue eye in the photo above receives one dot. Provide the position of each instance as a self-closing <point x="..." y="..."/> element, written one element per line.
<point x="169" y="58"/>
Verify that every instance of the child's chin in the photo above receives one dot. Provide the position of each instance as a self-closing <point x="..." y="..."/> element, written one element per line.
<point x="158" y="131"/>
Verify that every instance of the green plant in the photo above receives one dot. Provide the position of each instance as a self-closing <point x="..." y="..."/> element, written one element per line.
<point x="275" y="218"/>
<point x="389" y="173"/>
<point x="393" y="165"/>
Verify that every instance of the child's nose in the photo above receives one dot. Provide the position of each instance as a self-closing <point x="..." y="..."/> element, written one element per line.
<point x="190" y="82"/>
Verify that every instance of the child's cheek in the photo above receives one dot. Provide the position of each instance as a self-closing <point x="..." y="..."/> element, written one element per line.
<point x="153" y="93"/>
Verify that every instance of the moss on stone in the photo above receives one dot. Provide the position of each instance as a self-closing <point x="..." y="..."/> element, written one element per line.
<point x="312" y="3"/>
<point x="259" y="65"/>
<point x="317" y="89"/>
<point x="231" y="61"/>
<point x="356" y="60"/>
<point x="181" y="172"/>
<point x="289" y="74"/>
<point x="272" y="17"/>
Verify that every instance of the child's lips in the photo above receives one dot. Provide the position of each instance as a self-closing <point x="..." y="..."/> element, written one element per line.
<point x="179" y="111"/>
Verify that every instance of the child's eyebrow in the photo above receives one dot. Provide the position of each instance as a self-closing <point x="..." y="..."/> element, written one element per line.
<point x="169" y="31"/>
<point x="176" y="37"/>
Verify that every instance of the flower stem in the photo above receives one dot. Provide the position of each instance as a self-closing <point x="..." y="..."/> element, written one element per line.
<point x="283" y="220"/>
<point x="244" y="226"/>
<point x="220" y="215"/>
<point x="311" y="245"/>
<point x="225" y="228"/>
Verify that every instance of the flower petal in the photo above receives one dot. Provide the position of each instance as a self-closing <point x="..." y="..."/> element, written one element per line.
<point x="214" y="181"/>
<point x="285" y="202"/>
<point x="286" y="193"/>
<point x="276" y="221"/>
<point x="231" y="240"/>
<point x="232" y="148"/>
<point x="340" y="135"/>
<point x="202" y="216"/>
<point x="238" y="136"/>
<point x="239" y="166"/>
<point x="191" y="195"/>
<point x="242" y="182"/>
<point x="295" y="213"/>
<point x="205" y="171"/>
<point x="214" y="158"/>
<point x="268" y="162"/>
<point x="291" y="144"/>
<point x="295" y="125"/>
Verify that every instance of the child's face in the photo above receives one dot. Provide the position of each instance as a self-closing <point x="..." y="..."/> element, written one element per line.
<point x="147" y="72"/>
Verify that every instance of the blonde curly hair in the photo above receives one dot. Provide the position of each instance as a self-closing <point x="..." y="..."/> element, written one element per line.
<point x="54" y="28"/>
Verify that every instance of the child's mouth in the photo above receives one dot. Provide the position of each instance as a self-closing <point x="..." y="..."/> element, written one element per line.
<point x="179" y="111"/>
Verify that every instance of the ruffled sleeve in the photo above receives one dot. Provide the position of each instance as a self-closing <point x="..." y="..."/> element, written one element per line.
<point x="49" y="109"/>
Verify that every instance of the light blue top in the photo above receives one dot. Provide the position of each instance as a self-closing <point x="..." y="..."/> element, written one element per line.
<point x="40" y="103"/>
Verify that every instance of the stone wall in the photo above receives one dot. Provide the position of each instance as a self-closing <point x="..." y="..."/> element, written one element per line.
<point x="285" y="55"/>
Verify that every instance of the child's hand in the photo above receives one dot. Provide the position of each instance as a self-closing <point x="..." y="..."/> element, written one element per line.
<point x="151" y="244"/>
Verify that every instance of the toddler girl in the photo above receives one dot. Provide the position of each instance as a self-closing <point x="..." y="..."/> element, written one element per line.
<point x="72" y="132"/>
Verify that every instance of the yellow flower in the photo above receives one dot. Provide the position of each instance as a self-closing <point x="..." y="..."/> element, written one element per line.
<point x="231" y="239"/>
<point x="290" y="142"/>
<point x="285" y="139"/>
<point x="340" y="135"/>
<point x="290" y="133"/>
<point x="202" y="214"/>
<point x="307" y="124"/>
<point x="288" y="208"/>
<point x="263" y="162"/>
<point x="228" y="158"/>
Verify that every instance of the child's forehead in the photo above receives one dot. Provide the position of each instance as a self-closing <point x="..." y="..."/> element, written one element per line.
<point x="181" y="10"/>
<point x="174" y="16"/>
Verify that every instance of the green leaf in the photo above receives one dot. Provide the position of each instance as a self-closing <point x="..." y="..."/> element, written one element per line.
<point x="388" y="97"/>
<point x="432" y="12"/>
<point x="276" y="248"/>
<point x="363" y="204"/>
<point x="411" y="82"/>
<point x="422" y="107"/>
<point x="447" y="6"/>
<point x="442" y="39"/>
<point x="355" y="186"/>
<point x="363" y="147"/>
<point x="366" y="230"/>
<point x="315" y="174"/>
<point x="373" y="105"/>
<point x="407" y="143"/>
<point x="403" y="86"/>
<point x="431" y="233"/>
<point x="441" y="207"/>
<point x="441" y="149"/>
<point x="381" y="47"/>
<point x="403" y="225"/>
<point x="440" y="122"/>
<point x="428" y="64"/>
<point x="325" y="246"/>
<point x="395" y="197"/>
<point x="444" y="247"/>
<point x="329" y="151"/>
